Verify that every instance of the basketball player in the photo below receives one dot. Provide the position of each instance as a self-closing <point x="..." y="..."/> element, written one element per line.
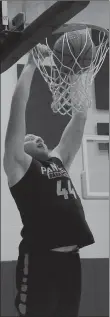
<point x="48" y="272"/>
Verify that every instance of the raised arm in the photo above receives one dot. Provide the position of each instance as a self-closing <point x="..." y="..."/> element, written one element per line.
<point x="16" y="161"/>
<point x="71" y="138"/>
<point x="14" y="155"/>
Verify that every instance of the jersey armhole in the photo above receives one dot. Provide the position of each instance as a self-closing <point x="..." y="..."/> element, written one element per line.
<point x="55" y="154"/>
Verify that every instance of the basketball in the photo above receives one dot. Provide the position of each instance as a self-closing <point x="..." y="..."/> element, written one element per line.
<point x="76" y="45"/>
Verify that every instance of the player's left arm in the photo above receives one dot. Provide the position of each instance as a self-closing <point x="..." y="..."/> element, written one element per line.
<point x="71" y="139"/>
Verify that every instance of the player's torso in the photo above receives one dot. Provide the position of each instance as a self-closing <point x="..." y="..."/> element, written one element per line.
<point x="54" y="183"/>
<point x="50" y="208"/>
<point x="54" y="194"/>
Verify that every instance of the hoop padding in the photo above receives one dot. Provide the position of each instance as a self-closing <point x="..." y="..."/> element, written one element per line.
<point x="71" y="91"/>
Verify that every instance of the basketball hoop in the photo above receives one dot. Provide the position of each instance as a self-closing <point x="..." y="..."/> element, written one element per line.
<point x="70" y="89"/>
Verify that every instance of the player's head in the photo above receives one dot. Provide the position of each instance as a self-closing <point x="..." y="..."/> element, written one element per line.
<point x="35" y="147"/>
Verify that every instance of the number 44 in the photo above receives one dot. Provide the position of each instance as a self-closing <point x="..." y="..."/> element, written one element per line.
<point x="63" y="191"/>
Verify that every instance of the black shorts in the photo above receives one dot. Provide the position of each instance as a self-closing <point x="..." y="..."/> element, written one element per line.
<point x="48" y="285"/>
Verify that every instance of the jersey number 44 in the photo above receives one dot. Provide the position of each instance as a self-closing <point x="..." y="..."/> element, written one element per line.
<point x="65" y="192"/>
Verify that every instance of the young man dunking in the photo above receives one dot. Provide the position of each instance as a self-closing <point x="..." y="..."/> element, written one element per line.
<point x="48" y="272"/>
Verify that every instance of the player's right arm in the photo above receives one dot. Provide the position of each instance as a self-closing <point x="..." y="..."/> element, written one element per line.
<point x="16" y="161"/>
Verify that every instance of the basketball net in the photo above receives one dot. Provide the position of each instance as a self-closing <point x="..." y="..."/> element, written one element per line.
<point x="71" y="92"/>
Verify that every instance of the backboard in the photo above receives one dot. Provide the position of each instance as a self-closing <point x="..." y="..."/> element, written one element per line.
<point x="95" y="174"/>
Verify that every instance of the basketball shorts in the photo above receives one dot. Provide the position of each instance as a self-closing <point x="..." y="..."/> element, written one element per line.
<point x="48" y="285"/>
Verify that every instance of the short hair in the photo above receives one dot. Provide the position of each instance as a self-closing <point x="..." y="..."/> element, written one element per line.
<point x="29" y="137"/>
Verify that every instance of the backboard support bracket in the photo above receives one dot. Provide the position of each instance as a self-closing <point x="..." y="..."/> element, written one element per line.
<point x="38" y="30"/>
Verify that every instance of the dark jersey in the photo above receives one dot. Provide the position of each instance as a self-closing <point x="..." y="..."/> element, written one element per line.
<point x="50" y="208"/>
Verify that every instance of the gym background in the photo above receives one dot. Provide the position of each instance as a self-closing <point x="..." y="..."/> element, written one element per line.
<point x="41" y="121"/>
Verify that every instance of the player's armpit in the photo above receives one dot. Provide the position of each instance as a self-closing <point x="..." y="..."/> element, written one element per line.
<point x="16" y="169"/>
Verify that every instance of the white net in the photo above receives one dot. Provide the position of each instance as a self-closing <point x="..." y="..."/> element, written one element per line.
<point x="71" y="90"/>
